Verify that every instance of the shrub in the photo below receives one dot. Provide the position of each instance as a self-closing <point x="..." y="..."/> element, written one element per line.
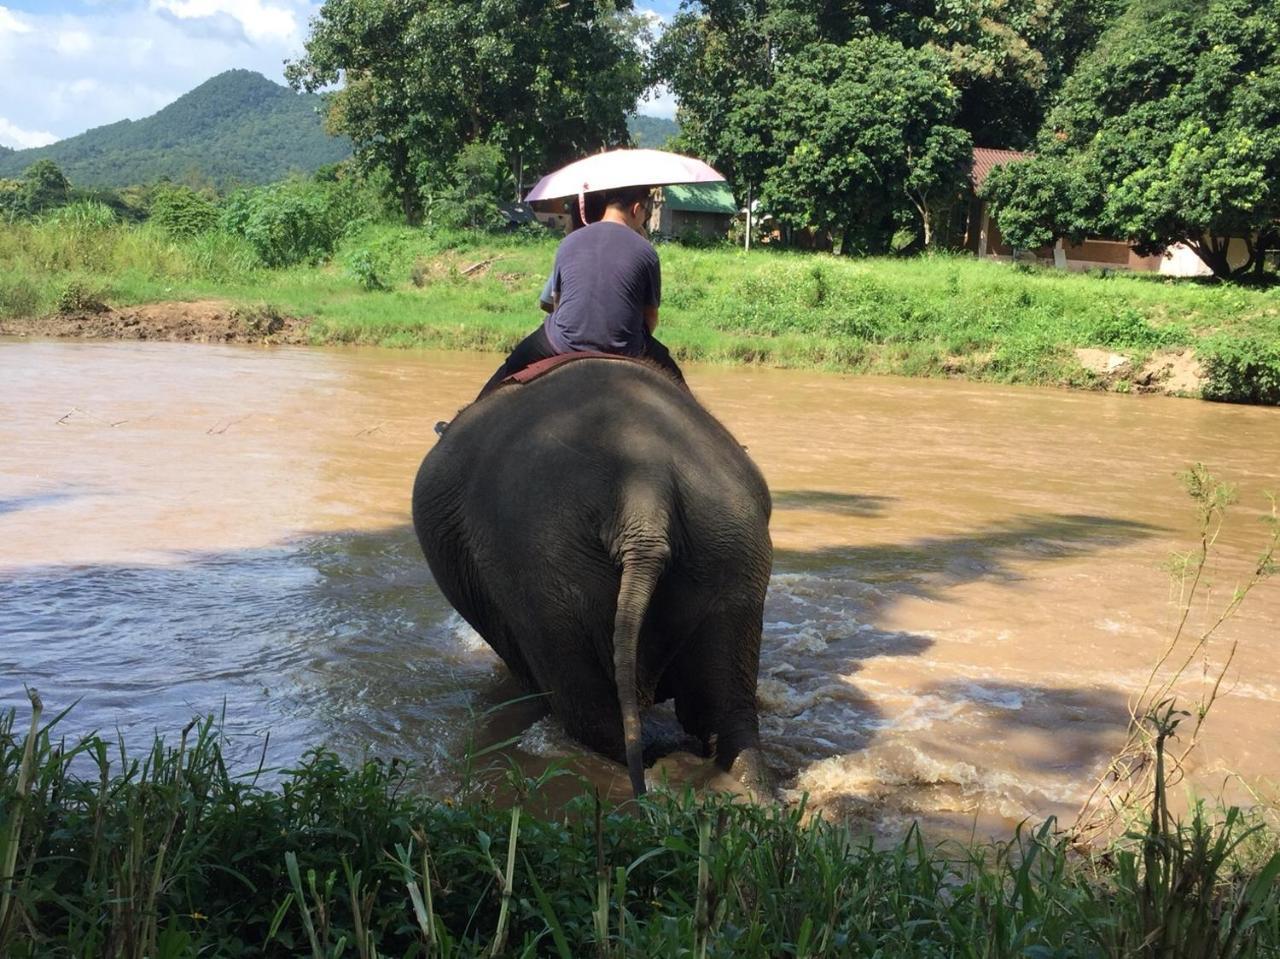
<point x="1243" y="370"/>
<point x="18" y="297"/>
<point x="78" y="296"/>
<point x="365" y="266"/>
<point x="182" y="212"/>
<point x="82" y="215"/>
<point x="286" y="223"/>
<point x="1126" y="327"/>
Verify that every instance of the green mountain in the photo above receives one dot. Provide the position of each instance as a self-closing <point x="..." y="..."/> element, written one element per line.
<point x="651" y="132"/>
<point x="237" y="127"/>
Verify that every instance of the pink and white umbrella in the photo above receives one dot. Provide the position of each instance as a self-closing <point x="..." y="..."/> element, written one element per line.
<point x="621" y="168"/>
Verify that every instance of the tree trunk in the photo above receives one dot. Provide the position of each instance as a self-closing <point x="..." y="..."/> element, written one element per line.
<point x="1213" y="254"/>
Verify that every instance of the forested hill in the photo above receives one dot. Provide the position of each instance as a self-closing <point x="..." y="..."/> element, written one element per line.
<point x="237" y="127"/>
<point x="651" y="132"/>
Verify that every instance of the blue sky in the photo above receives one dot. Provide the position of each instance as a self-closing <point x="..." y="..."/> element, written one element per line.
<point x="69" y="65"/>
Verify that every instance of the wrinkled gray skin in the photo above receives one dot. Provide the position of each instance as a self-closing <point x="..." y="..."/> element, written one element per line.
<point x="610" y="540"/>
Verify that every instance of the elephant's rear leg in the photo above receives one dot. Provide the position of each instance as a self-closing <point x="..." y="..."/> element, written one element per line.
<point x="587" y="705"/>
<point x="716" y="689"/>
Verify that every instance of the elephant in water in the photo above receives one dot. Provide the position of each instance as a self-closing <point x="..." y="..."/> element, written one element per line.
<point x="610" y="540"/>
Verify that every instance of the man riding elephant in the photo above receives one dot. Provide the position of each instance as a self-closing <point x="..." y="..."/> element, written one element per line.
<point x="605" y="287"/>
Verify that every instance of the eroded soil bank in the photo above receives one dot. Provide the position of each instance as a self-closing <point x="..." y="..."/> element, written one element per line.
<point x="1173" y="372"/>
<point x="200" y="321"/>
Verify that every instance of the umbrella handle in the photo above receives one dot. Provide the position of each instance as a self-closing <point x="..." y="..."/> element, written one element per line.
<point x="582" y="206"/>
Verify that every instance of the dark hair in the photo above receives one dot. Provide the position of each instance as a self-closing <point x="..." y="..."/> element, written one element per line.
<point x="626" y="196"/>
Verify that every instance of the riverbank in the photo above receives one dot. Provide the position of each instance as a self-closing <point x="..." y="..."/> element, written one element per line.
<point x="949" y="316"/>
<point x="170" y="853"/>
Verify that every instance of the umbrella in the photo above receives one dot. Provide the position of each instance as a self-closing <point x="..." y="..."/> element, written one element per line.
<point x="621" y="168"/>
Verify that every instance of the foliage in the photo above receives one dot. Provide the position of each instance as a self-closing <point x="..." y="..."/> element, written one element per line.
<point x="1039" y="200"/>
<point x="286" y="223"/>
<point x="235" y="128"/>
<point x="543" y="81"/>
<point x="1007" y="59"/>
<point x="1168" y="132"/>
<point x="479" y="181"/>
<point x="82" y="215"/>
<point x="862" y="130"/>
<point x="43" y="186"/>
<point x="182" y="212"/>
<point x="368" y="270"/>
<point x="1242" y="370"/>
<point x="169" y="853"/>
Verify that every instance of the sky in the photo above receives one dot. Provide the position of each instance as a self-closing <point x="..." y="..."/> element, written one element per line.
<point x="69" y="65"/>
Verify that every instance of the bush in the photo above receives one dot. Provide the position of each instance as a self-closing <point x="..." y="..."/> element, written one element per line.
<point x="79" y="297"/>
<point x="182" y="212"/>
<point x="366" y="267"/>
<point x="82" y="215"/>
<point x="1126" y="327"/>
<point x="286" y="223"/>
<point x="18" y="297"/>
<point x="1243" y="370"/>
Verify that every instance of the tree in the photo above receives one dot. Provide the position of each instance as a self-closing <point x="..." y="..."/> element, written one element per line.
<point x="1007" y="58"/>
<point x="863" y="141"/>
<point x="542" y="80"/>
<point x="1170" y="132"/>
<point x="44" y="187"/>
<point x="1040" y="200"/>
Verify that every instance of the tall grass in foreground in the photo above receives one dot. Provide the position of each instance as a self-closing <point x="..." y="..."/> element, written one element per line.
<point x="167" y="854"/>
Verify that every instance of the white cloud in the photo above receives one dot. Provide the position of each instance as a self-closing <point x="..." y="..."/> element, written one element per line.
<point x="20" y="139"/>
<point x="658" y="102"/>
<point x="72" y="43"/>
<point x="11" y="24"/>
<point x="258" y="20"/>
<point x="69" y="72"/>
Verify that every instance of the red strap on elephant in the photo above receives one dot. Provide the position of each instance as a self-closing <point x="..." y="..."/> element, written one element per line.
<point x="534" y="370"/>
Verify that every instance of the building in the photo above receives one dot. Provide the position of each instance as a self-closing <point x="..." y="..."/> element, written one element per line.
<point x="705" y="210"/>
<point x="982" y="236"/>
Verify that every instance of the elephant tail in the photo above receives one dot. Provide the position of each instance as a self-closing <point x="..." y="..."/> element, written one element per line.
<point x="642" y="565"/>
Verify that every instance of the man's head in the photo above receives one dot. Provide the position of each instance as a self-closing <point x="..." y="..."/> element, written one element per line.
<point x="633" y="204"/>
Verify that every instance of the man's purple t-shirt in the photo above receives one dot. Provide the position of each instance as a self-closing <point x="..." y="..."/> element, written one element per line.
<point x="606" y="274"/>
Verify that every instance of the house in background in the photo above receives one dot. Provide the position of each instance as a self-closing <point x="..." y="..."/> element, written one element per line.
<point x="982" y="236"/>
<point x="702" y="209"/>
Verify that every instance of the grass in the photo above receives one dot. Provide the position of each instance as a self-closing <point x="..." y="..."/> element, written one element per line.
<point x="939" y="315"/>
<point x="169" y="854"/>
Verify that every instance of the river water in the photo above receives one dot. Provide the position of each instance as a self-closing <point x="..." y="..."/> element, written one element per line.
<point x="969" y="582"/>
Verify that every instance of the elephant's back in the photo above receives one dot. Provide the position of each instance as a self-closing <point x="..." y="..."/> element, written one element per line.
<point x="547" y="465"/>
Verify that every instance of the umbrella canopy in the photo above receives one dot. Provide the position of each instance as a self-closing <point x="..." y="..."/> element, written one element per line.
<point x="621" y="168"/>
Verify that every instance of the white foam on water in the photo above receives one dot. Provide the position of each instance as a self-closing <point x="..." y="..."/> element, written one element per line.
<point x="547" y="738"/>
<point x="464" y="638"/>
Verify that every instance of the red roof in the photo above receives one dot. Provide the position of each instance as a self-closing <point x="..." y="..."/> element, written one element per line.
<point x="985" y="160"/>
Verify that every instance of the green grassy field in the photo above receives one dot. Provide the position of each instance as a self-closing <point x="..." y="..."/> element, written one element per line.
<point x="931" y="316"/>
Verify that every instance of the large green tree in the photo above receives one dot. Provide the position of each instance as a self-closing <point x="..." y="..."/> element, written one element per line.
<point x="864" y="141"/>
<point x="544" y="81"/>
<point x="1007" y="58"/>
<point x="1168" y="132"/>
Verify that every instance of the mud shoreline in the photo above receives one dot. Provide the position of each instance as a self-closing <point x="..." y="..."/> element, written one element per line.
<point x="1167" y="372"/>
<point x="201" y="321"/>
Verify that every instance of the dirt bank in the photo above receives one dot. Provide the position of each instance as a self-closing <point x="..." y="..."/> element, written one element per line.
<point x="1173" y="372"/>
<point x="202" y="321"/>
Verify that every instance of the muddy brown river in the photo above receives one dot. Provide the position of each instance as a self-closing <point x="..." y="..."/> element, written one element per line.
<point x="968" y="589"/>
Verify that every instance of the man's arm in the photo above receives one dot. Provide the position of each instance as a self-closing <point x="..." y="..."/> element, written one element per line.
<point x="650" y="319"/>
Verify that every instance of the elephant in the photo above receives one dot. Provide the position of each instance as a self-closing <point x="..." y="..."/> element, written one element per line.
<point x="609" y="539"/>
